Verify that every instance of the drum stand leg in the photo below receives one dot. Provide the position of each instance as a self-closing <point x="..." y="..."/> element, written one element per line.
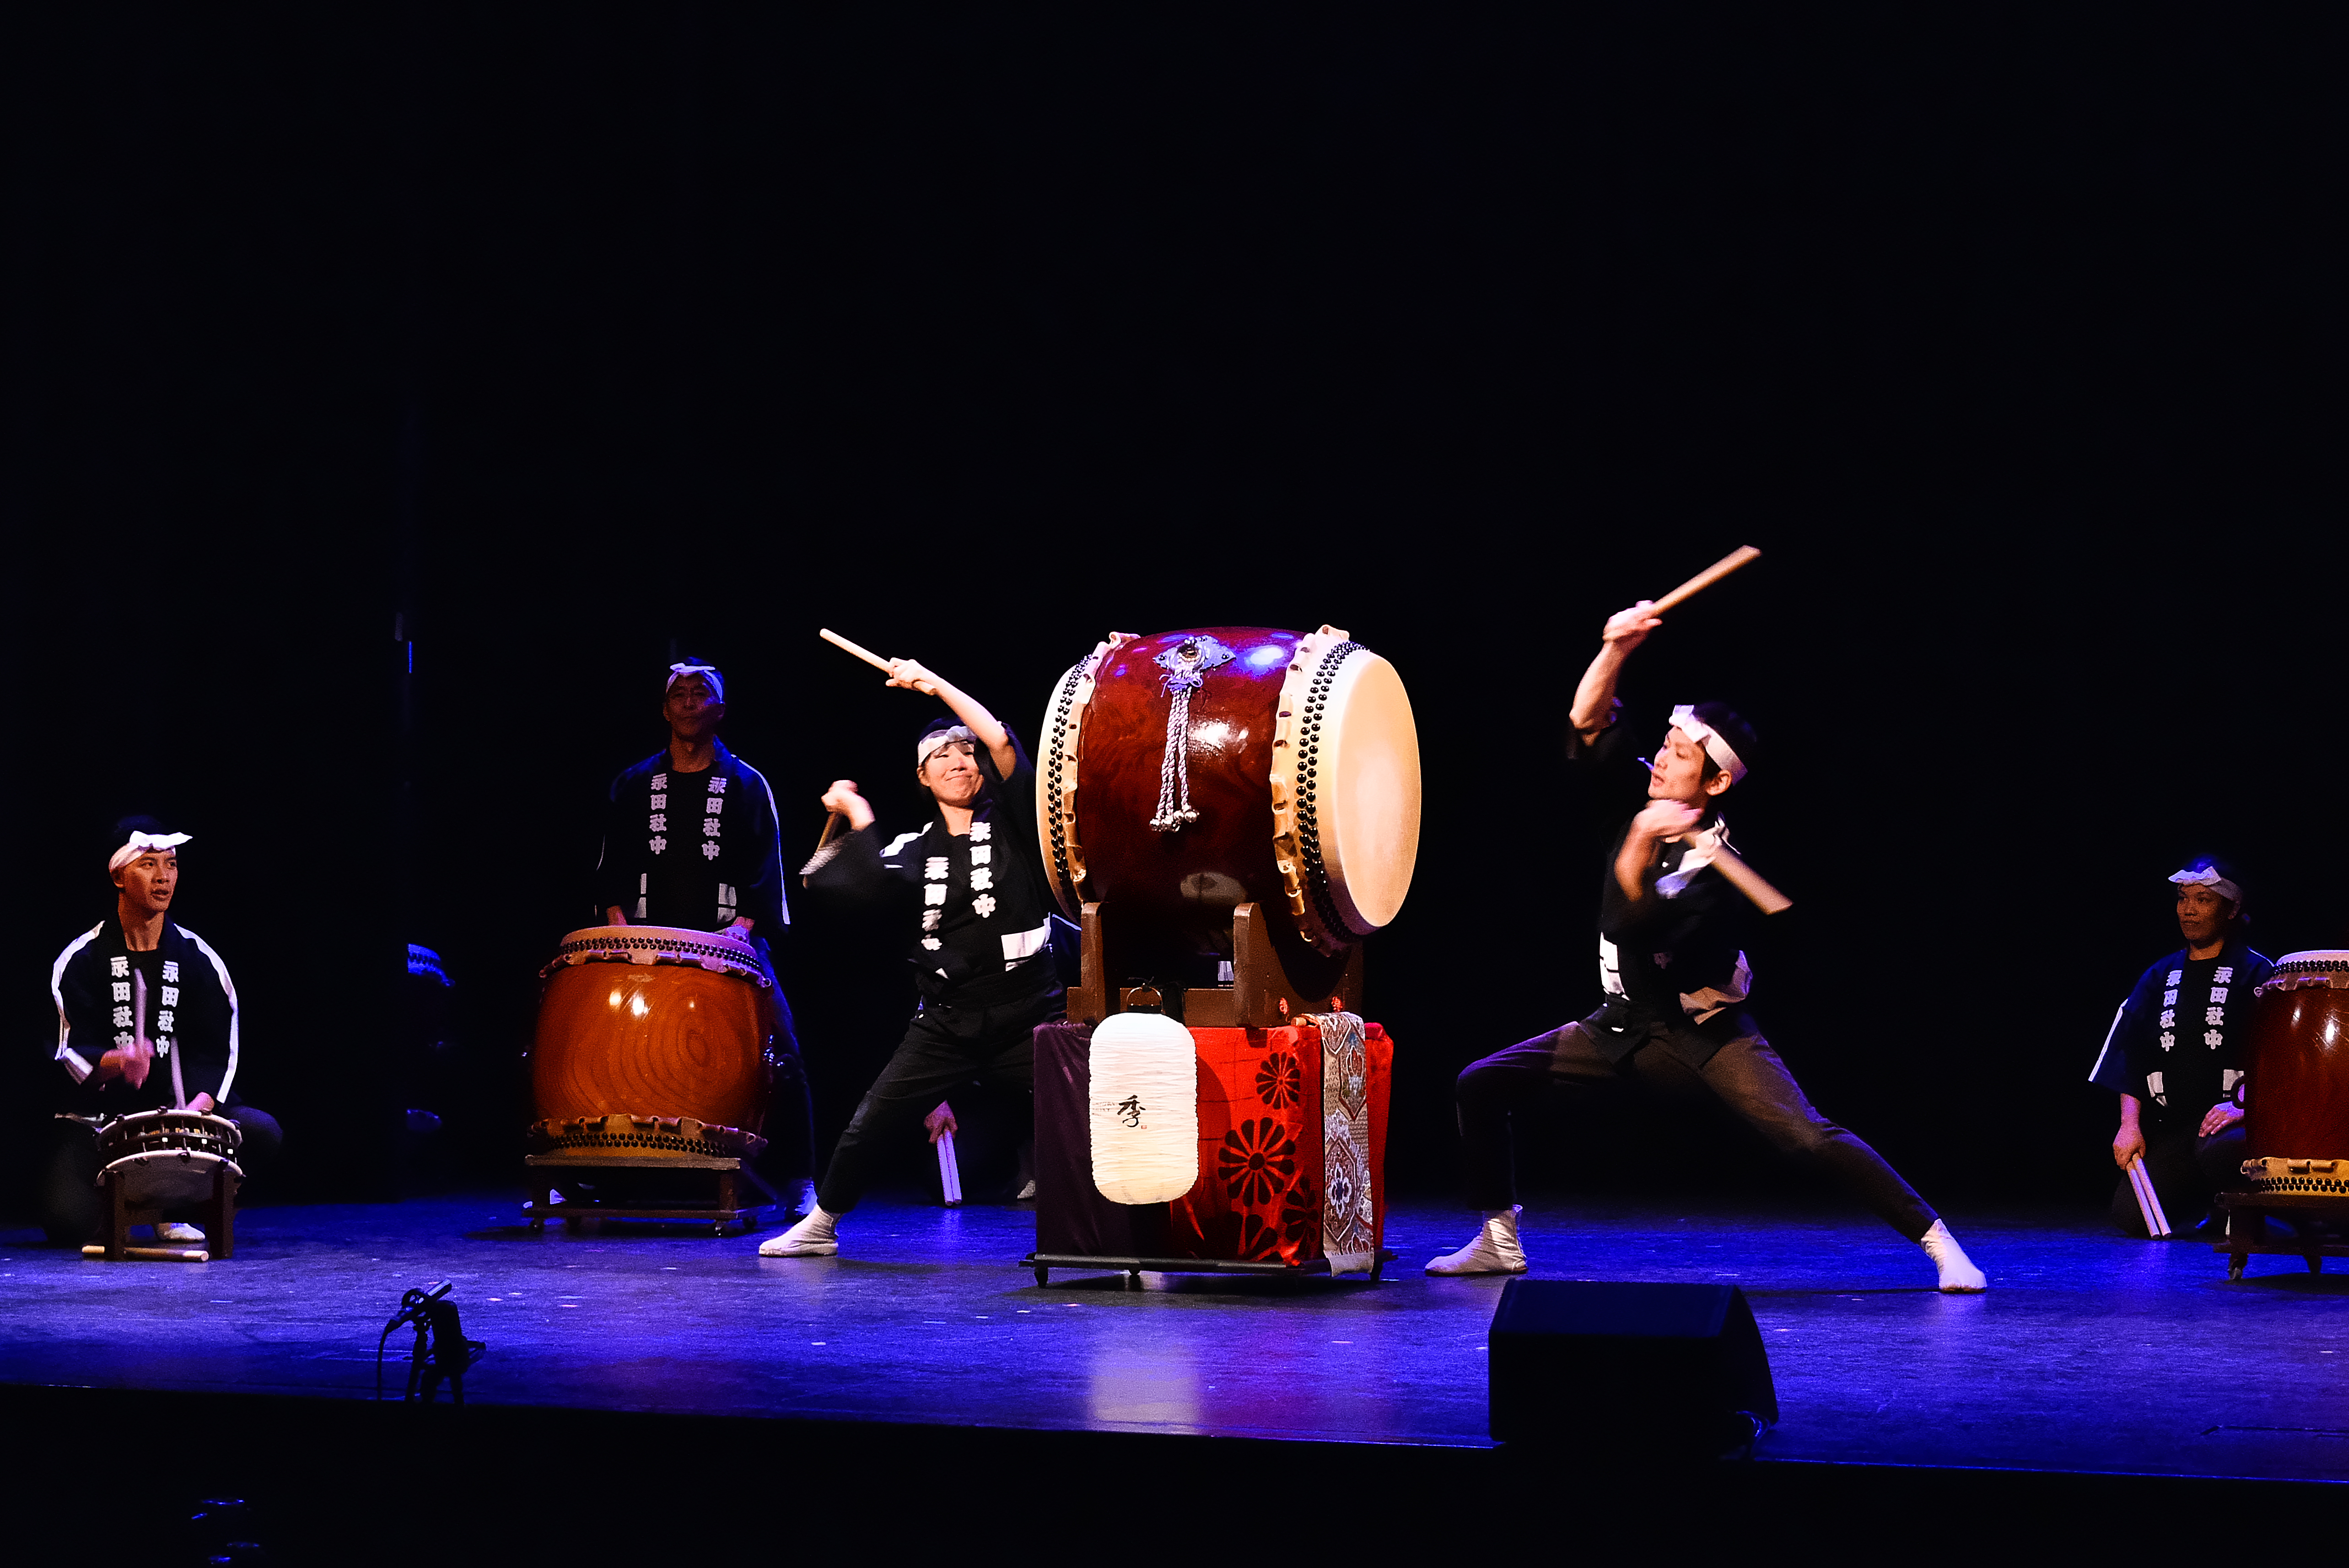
<point x="219" y="1216"/>
<point x="118" y="1219"/>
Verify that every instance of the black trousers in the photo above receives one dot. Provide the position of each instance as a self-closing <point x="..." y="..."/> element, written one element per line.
<point x="789" y="1158"/>
<point x="73" y="1210"/>
<point x="945" y="1047"/>
<point x="2188" y="1172"/>
<point x="1745" y="1075"/>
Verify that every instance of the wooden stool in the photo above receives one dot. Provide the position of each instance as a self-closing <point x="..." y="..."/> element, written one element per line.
<point x="218" y="1215"/>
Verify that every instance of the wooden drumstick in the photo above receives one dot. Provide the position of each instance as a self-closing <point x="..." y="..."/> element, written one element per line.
<point x="870" y="657"/>
<point x="1748" y="880"/>
<point x="1688" y="590"/>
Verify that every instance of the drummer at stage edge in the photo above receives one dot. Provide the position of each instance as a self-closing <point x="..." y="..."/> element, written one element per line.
<point x="114" y="1060"/>
<point x="980" y="950"/>
<point x="690" y="841"/>
<point x="2172" y="1057"/>
<point x="1676" y="980"/>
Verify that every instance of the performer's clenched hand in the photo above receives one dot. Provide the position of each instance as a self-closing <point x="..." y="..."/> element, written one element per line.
<point x="2220" y="1118"/>
<point x="940" y="1121"/>
<point x="1666" y="819"/>
<point x="844" y="799"/>
<point x="129" y="1062"/>
<point x="2128" y="1143"/>
<point x="1627" y="629"/>
<point x="913" y="674"/>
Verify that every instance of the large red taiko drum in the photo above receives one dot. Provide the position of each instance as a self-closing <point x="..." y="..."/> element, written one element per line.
<point x="653" y="1043"/>
<point x="2296" y="1098"/>
<point x="1183" y="774"/>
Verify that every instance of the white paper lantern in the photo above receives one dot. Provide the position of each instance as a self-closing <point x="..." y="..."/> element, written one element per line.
<point x="1145" y="1109"/>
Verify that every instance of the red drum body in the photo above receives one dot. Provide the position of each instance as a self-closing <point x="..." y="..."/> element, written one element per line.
<point x="653" y="1044"/>
<point x="1290" y="781"/>
<point x="2297" y="1104"/>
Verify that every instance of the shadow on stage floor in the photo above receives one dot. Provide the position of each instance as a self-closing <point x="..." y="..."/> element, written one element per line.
<point x="681" y="1378"/>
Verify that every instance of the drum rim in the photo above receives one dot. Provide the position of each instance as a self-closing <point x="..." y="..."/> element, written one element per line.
<point x="716" y="952"/>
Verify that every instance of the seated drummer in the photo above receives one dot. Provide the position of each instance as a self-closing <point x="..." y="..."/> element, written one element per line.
<point x="980" y="952"/>
<point x="2173" y="1055"/>
<point x="690" y="841"/>
<point x="115" y="1062"/>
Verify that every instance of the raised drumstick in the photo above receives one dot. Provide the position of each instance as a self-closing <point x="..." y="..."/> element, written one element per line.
<point x="1748" y="880"/>
<point x="1688" y="590"/>
<point x="869" y="656"/>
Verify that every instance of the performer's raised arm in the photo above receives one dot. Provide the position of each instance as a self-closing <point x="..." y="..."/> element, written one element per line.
<point x="1594" y="699"/>
<point x="984" y="726"/>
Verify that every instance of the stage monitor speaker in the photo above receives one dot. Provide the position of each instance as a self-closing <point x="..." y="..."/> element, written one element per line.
<point x="1628" y="1371"/>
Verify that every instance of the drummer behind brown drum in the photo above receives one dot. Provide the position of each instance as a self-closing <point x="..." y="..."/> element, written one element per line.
<point x="2175" y="1055"/>
<point x="981" y="950"/>
<point x="113" y="1058"/>
<point x="1676" y="978"/>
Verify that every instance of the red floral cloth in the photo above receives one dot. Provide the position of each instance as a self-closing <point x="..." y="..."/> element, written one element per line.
<point x="1259" y="1198"/>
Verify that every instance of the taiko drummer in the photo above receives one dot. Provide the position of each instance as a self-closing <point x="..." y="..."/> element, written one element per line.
<point x="2174" y="1055"/>
<point x="1675" y="974"/>
<point x="139" y="996"/>
<point x="973" y="893"/>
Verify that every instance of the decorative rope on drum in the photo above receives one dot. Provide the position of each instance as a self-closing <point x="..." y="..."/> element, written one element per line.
<point x="716" y="951"/>
<point x="2330" y="1177"/>
<point x="1145" y="1109"/>
<point x="1349" y="1216"/>
<point x="1187" y="665"/>
<point x="629" y="1136"/>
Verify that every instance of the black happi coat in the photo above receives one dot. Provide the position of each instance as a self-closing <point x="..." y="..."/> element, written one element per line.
<point x="2176" y="1043"/>
<point x="693" y="850"/>
<point x="191" y="1013"/>
<point x="983" y="931"/>
<point x="1673" y="965"/>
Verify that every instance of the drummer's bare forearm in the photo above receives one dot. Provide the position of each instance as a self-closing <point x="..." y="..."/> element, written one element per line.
<point x="1595" y="696"/>
<point x="612" y="917"/>
<point x="201" y="1104"/>
<point x="983" y="725"/>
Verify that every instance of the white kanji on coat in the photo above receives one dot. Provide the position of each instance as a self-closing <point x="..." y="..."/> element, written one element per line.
<point x="932" y="942"/>
<point x="931" y="919"/>
<point x="2168" y="1019"/>
<point x="660" y="780"/>
<point x="980" y="877"/>
<point x="2225" y="976"/>
<point x="659" y="822"/>
<point x="708" y="827"/>
<point x="170" y="996"/>
<point x="980" y="854"/>
<point x="984" y="903"/>
<point x="2167" y="1041"/>
<point x="659" y="843"/>
<point x="2214" y="1014"/>
<point x="2214" y="1039"/>
<point x="718" y="786"/>
<point x="715" y="804"/>
<point x="164" y="1021"/>
<point x="934" y="869"/>
<point x="981" y="832"/>
<point x="172" y="970"/>
<point x="660" y="802"/>
<point x="2217" y="993"/>
<point x="123" y="1042"/>
<point x="2170" y="998"/>
<point x="122" y="990"/>
<point x="122" y="1018"/>
<point x="119" y="968"/>
<point x="710" y="852"/>
<point x="935" y="894"/>
<point x="2174" y="977"/>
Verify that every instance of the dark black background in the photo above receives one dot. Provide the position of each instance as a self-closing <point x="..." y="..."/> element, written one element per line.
<point x="2011" y="335"/>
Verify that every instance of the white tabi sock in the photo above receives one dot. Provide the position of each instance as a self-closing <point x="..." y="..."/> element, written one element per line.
<point x="810" y="1238"/>
<point x="1958" y="1275"/>
<point x="1494" y="1250"/>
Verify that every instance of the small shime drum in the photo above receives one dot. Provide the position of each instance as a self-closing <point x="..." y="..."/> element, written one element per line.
<point x="168" y="1159"/>
<point x="1183" y="774"/>
<point x="654" y="1044"/>
<point x="2296" y="1101"/>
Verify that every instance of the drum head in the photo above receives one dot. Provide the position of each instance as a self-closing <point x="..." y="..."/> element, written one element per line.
<point x="1369" y="811"/>
<point x="171" y="1178"/>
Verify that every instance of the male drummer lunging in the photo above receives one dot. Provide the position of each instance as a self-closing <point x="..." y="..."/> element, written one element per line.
<point x="1676" y="976"/>
<point x="981" y="950"/>
<point x="2174" y="1057"/>
<point x="117" y="1061"/>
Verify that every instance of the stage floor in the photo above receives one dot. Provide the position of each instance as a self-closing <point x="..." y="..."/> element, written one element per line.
<point x="2090" y="1353"/>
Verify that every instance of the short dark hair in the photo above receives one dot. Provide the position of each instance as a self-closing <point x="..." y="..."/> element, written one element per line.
<point x="1725" y="721"/>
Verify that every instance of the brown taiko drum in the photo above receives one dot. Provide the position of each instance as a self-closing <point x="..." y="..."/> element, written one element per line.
<point x="2296" y="1095"/>
<point x="1183" y="774"/>
<point x="653" y="1043"/>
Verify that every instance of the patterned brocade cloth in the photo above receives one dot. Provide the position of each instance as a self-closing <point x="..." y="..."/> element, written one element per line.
<point x="1292" y="1150"/>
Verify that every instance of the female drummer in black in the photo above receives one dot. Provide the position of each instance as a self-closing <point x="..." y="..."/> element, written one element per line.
<point x="2174" y="1057"/>
<point x="1676" y="981"/>
<point x="973" y="888"/>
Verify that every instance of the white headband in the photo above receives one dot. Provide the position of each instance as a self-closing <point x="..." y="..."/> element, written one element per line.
<point x="1685" y="720"/>
<point x="140" y="844"/>
<point x="706" y="672"/>
<point x="2209" y="877"/>
<point x="938" y="737"/>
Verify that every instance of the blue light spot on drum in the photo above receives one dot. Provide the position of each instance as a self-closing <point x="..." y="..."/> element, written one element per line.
<point x="1270" y="654"/>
